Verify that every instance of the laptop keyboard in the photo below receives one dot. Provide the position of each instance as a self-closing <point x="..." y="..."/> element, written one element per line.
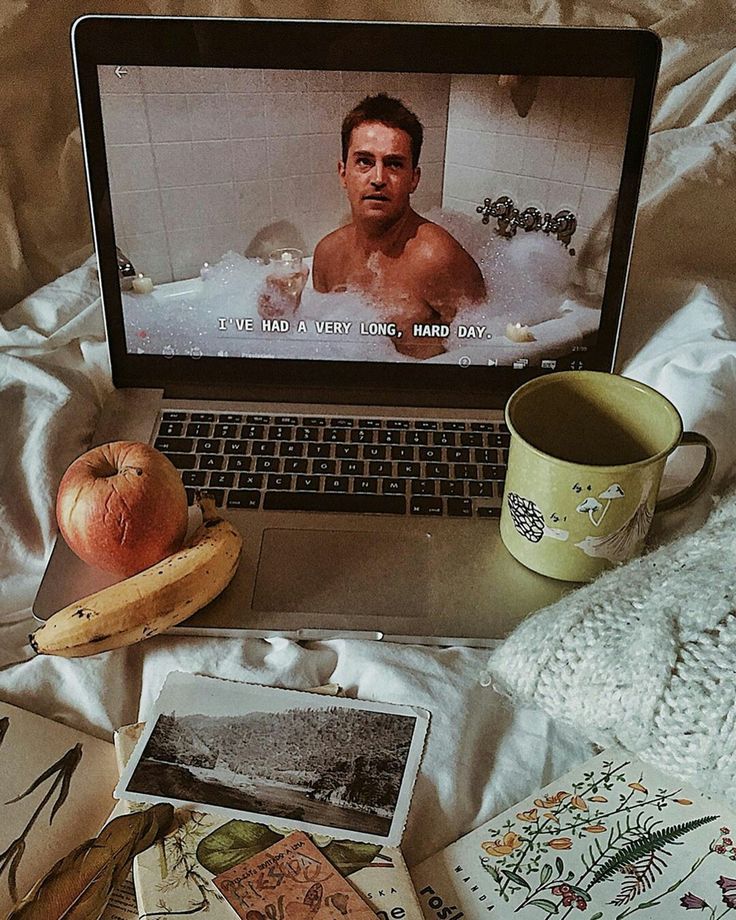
<point x="363" y="465"/>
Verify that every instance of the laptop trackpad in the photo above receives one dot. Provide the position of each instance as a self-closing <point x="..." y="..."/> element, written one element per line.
<point x="360" y="572"/>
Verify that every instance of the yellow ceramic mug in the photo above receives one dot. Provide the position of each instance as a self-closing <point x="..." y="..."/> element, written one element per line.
<point x="586" y="458"/>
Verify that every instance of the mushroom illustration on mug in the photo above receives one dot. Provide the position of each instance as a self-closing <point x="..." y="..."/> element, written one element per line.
<point x="591" y="505"/>
<point x="528" y="519"/>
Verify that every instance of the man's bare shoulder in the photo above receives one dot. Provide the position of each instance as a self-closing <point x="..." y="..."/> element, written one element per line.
<point x="328" y="254"/>
<point x="434" y="242"/>
<point x="333" y="243"/>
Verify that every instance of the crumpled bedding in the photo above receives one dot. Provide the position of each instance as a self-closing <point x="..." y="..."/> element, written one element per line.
<point x="679" y="335"/>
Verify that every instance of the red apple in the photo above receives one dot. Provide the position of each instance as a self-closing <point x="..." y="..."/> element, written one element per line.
<point x="122" y="507"/>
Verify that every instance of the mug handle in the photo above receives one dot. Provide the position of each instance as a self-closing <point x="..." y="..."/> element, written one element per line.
<point x="689" y="493"/>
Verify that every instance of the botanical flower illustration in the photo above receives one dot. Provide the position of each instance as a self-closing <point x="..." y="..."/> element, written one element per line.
<point x="693" y="902"/>
<point x="502" y="847"/>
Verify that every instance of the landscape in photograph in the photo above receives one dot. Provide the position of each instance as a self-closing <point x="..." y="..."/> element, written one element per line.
<point x="334" y="767"/>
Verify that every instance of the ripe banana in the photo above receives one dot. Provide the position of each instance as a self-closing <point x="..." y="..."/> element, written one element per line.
<point x="150" y="601"/>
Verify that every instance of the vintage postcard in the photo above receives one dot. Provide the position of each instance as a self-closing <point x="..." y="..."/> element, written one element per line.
<point x="291" y="880"/>
<point x="326" y="765"/>
<point x="612" y="839"/>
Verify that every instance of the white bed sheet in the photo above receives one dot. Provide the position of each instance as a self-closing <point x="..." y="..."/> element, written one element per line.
<point x="483" y="753"/>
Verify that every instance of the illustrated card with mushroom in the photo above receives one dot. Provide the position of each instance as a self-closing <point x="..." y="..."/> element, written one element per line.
<point x="612" y="839"/>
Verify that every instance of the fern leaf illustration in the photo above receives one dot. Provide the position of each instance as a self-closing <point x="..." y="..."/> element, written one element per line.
<point x="639" y="877"/>
<point x="648" y="843"/>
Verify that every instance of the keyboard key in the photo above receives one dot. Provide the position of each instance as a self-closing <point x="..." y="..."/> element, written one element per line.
<point x="311" y="421"/>
<point x="240" y="498"/>
<point x="380" y="468"/>
<point x="268" y="464"/>
<point x="452" y="487"/>
<point x="438" y="470"/>
<point x="485" y="455"/>
<point x="307" y="483"/>
<point x="410" y="470"/>
<point x="203" y="416"/>
<point x="465" y="471"/>
<point x="489" y="512"/>
<point x="444" y="438"/>
<point x="389" y="436"/>
<point x="471" y="439"/>
<point x="423" y="504"/>
<point x="369" y="423"/>
<point x="194" y="477"/>
<point x="374" y="452"/>
<point x="198" y="430"/>
<point x="319" y="450"/>
<point x="170" y="429"/>
<point x="499" y="440"/>
<point x="258" y="419"/>
<point x="286" y="420"/>
<point x="296" y="465"/>
<point x="263" y="449"/>
<point x="457" y="454"/>
<point x="174" y="416"/>
<point x="230" y="418"/>
<point x="341" y="423"/>
<point x="459" y="507"/>
<point x="250" y="481"/>
<point x="280" y="433"/>
<point x="430" y="453"/>
<point x="174" y="445"/>
<point x="239" y="463"/>
<point x="393" y="486"/>
<point x="453" y="426"/>
<point x="253" y="431"/>
<point x="347" y="451"/>
<point x="481" y="489"/>
<point x="417" y="437"/>
<point x="222" y="480"/>
<point x="362" y="436"/>
<point x="334" y="435"/>
<point x="482" y="426"/>
<point x="307" y="433"/>
<point x="291" y="449"/>
<point x="208" y="446"/>
<point x="236" y="447"/>
<point x="352" y="467"/>
<point x="427" y="426"/>
<point x="211" y="462"/>
<point x="225" y="431"/>
<point x="335" y="501"/>
<point x="493" y="472"/>
<point x="337" y="484"/>
<point x="423" y="487"/>
<point x="403" y="453"/>
<point x="399" y="423"/>
<point x="183" y="461"/>
<point x="324" y="467"/>
<point x="365" y="485"/>
<point x="280" y="481"/>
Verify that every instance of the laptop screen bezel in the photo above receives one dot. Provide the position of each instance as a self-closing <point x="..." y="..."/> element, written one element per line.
<point x="357" y="46"/>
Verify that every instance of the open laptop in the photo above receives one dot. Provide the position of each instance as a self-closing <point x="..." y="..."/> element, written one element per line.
<point x="321" y="324"/>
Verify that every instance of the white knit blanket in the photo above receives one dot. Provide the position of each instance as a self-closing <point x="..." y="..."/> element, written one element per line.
<point x="645" y="657"/>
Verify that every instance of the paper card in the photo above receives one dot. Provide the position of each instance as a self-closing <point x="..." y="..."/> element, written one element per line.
<point x="291" y="880"/>
<point x="614" y="838"/>
<point x="326" y="765"/>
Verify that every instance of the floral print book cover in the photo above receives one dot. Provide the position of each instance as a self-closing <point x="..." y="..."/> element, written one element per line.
<point x="612" y="839"/>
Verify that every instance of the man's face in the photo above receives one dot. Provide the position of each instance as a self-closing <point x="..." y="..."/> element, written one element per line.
<point x="378" y="175"/>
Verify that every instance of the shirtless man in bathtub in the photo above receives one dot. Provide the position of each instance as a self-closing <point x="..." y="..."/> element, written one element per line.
<point x="413" y="268"/>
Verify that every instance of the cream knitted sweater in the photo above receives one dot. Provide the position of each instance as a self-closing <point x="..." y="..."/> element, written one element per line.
<point x="645" y="656"/>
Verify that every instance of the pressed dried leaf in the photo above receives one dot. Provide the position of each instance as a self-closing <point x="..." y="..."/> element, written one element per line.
<point x="79" y="885"/>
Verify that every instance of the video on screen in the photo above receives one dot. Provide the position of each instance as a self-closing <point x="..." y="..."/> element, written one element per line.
<point x="386" y="217"/>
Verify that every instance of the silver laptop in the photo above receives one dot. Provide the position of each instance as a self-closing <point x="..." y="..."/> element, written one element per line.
<point x="328" y="252"/>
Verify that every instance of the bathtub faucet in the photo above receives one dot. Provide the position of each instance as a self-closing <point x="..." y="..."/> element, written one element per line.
<point x="510" y="218"/>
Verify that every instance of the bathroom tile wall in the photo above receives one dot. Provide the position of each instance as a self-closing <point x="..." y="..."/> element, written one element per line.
<point x="565" y="153"/>
<point x="210" y="160"/>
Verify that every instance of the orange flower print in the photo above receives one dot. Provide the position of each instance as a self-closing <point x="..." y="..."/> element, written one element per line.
<point x="530" y="815"/>
<point x="598" y="798"/>
<point x="683" y="801"/>
<point x="551" y="816"/>
<point x="560" y="843"/>
<point x="638" y="787"/>
<point x="551" y="800"/>
<point x="579" y="802"/>
<point x="594" y="828"/>
<point x="502" y="847"/>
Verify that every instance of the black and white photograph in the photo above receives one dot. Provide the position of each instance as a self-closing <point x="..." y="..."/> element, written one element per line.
<point x="327" y="765"/>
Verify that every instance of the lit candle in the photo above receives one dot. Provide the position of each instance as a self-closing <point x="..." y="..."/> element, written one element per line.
<point x="516" y="332"/>
<point x="142" y="285"/>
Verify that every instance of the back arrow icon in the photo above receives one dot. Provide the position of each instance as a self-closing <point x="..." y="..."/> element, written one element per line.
<point x="121" y="71"/>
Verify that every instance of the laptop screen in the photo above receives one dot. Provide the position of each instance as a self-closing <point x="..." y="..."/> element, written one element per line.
<point x="384" y="217"/>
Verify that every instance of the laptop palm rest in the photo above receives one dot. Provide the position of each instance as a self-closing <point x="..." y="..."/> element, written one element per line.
<point x="319" y="571"/>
